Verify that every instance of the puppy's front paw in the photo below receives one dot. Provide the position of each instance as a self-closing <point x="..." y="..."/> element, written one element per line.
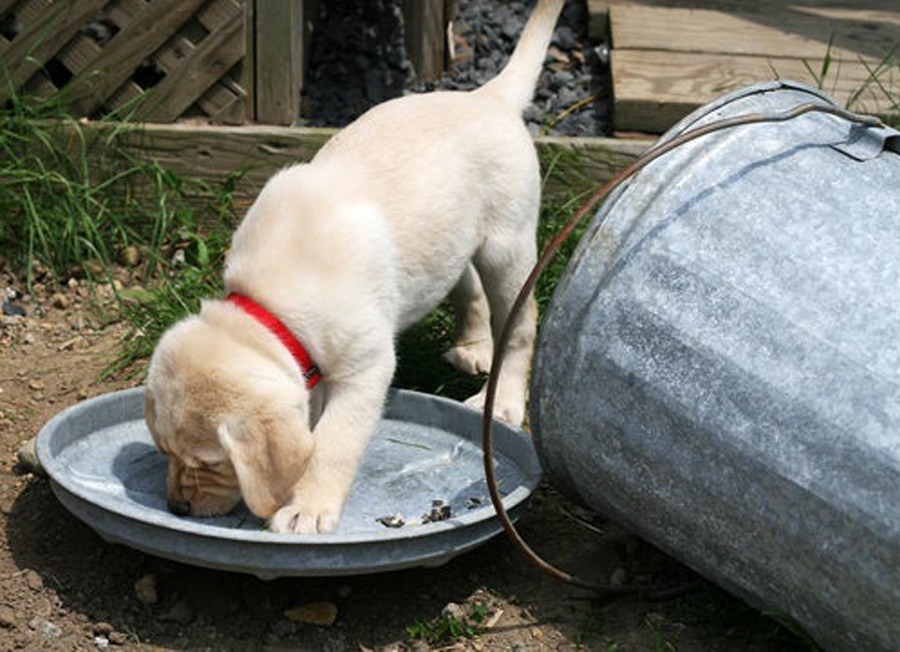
<point x="472" y="357"/>
<point x="511" y="411"/>
<point x="301" y="520"/>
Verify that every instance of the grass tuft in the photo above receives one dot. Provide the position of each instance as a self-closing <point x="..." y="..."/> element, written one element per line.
<point x="72" y="200"/>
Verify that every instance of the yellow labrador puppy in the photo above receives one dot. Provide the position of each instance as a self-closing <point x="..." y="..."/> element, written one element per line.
<point x="271" y="394"/>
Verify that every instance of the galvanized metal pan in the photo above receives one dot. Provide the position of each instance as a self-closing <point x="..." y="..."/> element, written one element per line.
<point x="105" y="469"/>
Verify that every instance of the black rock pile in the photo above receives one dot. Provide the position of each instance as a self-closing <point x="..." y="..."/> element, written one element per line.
<point x="358" y="60"/>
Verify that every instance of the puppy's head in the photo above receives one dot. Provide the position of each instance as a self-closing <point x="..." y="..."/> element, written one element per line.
<point x="231" y="421"/>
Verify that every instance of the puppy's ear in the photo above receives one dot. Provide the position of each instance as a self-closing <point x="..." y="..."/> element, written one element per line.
<point x="269" y="454"/>
<point x="149" y="409"/>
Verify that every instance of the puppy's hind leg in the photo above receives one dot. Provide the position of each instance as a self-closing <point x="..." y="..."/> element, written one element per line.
<point x="504" y="264"/>
<point x="473" y="348"/>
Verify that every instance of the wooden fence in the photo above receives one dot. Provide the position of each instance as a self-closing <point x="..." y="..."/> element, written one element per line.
<point x="218" y="61"/>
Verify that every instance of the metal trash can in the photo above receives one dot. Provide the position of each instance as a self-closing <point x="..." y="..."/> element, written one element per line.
<point x="719" y="367"/>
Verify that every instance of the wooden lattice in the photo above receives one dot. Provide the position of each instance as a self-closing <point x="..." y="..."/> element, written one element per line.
<point x="155" y="60"/>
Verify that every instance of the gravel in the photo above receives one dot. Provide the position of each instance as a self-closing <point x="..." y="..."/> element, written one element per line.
<point x="358" y="59"/>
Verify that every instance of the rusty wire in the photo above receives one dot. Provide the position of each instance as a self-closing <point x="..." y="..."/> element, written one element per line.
<point x="600" y="589"/>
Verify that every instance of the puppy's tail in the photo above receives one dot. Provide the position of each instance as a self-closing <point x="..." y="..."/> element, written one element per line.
<point x="515" y="84"/>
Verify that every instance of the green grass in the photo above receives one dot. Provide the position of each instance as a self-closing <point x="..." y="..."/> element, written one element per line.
<point x="882" y="82"/>
<point x="73" y="202"/>
<point x="446" y="629"/>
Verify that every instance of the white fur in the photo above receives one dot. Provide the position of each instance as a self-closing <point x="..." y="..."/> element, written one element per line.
<point x="421" y="197"/>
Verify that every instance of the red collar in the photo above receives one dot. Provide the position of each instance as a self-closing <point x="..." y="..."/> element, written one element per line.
<point x="310" y="371"/>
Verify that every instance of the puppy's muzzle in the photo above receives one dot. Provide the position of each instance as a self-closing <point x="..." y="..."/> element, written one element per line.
<point x="179" y="507"/>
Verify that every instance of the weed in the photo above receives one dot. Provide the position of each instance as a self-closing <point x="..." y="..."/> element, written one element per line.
<point x="446" y="628"/>
<point x="590" y="625"/>
<point x="883" y="81"/>
<point x="73" y="200"/>
<point x="821" y="75"/>
<point x="880" y="89"/>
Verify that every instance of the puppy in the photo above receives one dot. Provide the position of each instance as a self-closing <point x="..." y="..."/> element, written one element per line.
<point x="271" y="394"/>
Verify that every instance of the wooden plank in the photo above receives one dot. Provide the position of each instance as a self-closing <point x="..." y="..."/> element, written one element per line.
<point x="778" y="32"/>
<point x="147" y="31"/>
<point x="598" y="9"/>
<point x="42" y="38"/>
<point x="426" y="36"/>
<point x="124" y="99"/>
<point x="225" y="101"/>
<point x="215" y="153"/>
<point x="195" y="73"/>
<point x="123" y="12"/>
<point x="279" y="60"/>
<point x="224" y="111"/>
<point x="218" y="13"/>
<point x="248" y="73"/>
<point x="220" y="101"/>
<point x="655" y="89"/>
<point x="6" y="5"/>
<point x="598" y="19"/>
<point x="39" y="86"/>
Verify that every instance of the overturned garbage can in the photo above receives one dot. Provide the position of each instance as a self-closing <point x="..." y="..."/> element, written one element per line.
<point x="719" y="366"/>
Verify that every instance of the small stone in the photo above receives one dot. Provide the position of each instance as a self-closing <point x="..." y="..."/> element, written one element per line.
<point x="50" y="630"/>
<point x="117" y="638"/>
<point x="28" y="459"/>
<point x="454" y="611"/>
<point x="76" y="321"/>
<point x="101" y="642"/>
<point x="440" y="511"/>
<point x="36" y="385"/>
<point x="60" y="301"/>
<point x="13" y="310"/>
<point x="146" y="591"/>
<point x="7" y="617"/>
<point x="10" y="506"/>
<point x="77" y="342"/>
<point x="130" y="256"/>
<point x="103" y="629"/>
<point x="323" y="614"/>
<point x="93" y="268"/>
<point x="34" y="581"/>
<point x="392" y="521"/>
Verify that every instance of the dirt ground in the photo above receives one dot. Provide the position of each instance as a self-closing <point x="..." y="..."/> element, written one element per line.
<point x="63" y="588"/>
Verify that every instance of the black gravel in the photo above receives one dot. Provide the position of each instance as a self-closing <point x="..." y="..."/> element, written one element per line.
<point x="358" y="59"/>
